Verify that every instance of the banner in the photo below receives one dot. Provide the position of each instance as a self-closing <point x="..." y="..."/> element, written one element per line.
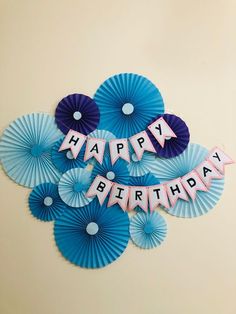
<point x="165" y="194"/>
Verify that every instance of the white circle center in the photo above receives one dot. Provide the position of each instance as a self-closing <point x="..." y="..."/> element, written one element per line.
<point x="167" y="138"/>
<point x="92" y="228"/>
<point x="127" y="108"/>
<point x="48" y="201"/>
<point x="77" y="115"/>
<point x="134" y="157"/>
<point x="110" y="175"/>
<point x="69" y="155"/>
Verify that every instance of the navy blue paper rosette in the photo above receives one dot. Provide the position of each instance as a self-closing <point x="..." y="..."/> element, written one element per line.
<point x="147" y="230"/>
<point x="64" y="160"/>
<point x="145" y="180"/>
<point x="127" y="102"/>
<point x="175" y="145"/>
<point x="77" y="112"/>
<point x="45" y="202"/>
<point x="93" y="236"/>
<point x="118" y="172"/>
<point x="25" y="149"/>
<point x="170" y="169"/>
<point x="73" y="187"/>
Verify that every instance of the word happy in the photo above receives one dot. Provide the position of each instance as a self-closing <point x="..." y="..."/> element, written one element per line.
<point x="167" y="194"/>
<point x="119" y="148"/>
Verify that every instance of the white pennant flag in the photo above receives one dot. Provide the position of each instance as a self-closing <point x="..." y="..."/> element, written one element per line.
<point x="119" y="149"/>
<point x="73" y="140"/>
<point x="219" y="159"/>
<point x="158" y="195"/>
<point x="119" y="194"/>
<point x="161" y="131"/>
<point x="100" y="188"/>
<point x="140" y="143"/>
<point x="192" y="183"/>
<point x="175" y="191"/>
<point x="138" y="197"/>
<point x="207" y="172"/>
<point x="95" y="147"/>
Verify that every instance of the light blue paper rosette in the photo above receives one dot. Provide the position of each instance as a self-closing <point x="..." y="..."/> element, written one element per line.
<point x="169" y="169"/>
<point x="25" y="149"/>
<point x="127" y="103"/>
<point x="93" y="236"/>
<point x="73" y="187"/>
<point x="45" y="202"/>
<point x="146" y="180"/>
<point x="64" y="160"/>
<point x="147" y="230"/>
<point x="141" y="167"/>
<point x="117" y="173"/>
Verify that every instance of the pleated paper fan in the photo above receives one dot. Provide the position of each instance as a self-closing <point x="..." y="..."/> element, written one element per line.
<point x="146" y="180"/>
<point x="25" y="149"/>
<point x="147" y="230"/>
<point x="64" y="160"/>
<point x="73" y="187"/>
<point x="93" y="236"/>
<point x="127" y="102"/>
<point x="169" y="169"/>
<point x="141" y="167"/>
<point x="45" y="202"/>
<point x="175" y="145"/>
<point x="118" y="172"/>
<point x="77" y="112"/>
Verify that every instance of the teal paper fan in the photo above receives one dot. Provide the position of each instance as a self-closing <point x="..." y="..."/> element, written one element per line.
<point x="25" y="149"/>
<point x="127" y="103"/>
<point x="93" y="236"/>
<point x="147" y="230"/>
<point x="64" y="160"/>
<point x="45" y="202"/>
<point x="73" y="187"/>
<point x="169" y="169"/>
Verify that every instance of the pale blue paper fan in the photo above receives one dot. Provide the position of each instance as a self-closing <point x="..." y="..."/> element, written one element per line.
<point x="147" y="230"/>
<point x="92" y="236"/>
<point x="127" y="103"/>
<point x="25" y="149"/>
<point x="64" y="160"/>
<point x="45" y="202"/>
<point x="141" y="167"/>
<point x="169" y="169"/>
<point x="73" y="187"/>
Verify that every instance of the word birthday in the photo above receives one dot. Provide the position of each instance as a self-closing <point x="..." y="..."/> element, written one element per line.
<point x="167" y="194"/>
<point x="119" y="148"/>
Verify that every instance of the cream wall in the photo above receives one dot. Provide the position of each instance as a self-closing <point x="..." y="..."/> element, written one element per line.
<point x="52" y="48"/>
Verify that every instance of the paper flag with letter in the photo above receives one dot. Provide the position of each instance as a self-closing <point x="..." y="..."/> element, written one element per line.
<point x="119" y="194"/>
<point x="140" y="143"/>
<point x="95" y="147"/>
<point x="192" y="183"/>
<point x="161" y="131"/>
<point x="73" y="141"/>
<point x="219" y="159"/>
<point x="119" y="149"/>
<point x="100" y="188"/>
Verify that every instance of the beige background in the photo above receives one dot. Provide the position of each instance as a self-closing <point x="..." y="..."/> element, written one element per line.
<point x="52" y="48"/>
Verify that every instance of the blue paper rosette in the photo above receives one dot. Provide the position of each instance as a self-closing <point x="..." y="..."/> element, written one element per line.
<point x="118" y="172"/>
<point x="93" y="236"/>
<point x="77" y="112"/>
<point x="25" y="149"/>
<point x="45" y="202"/>
<point x="127" y="102"/>
<point x="169" y="169"/>
<point x="64" y="160"/>
<point x="73" y="187"/>
<point x="147" y="230"/>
